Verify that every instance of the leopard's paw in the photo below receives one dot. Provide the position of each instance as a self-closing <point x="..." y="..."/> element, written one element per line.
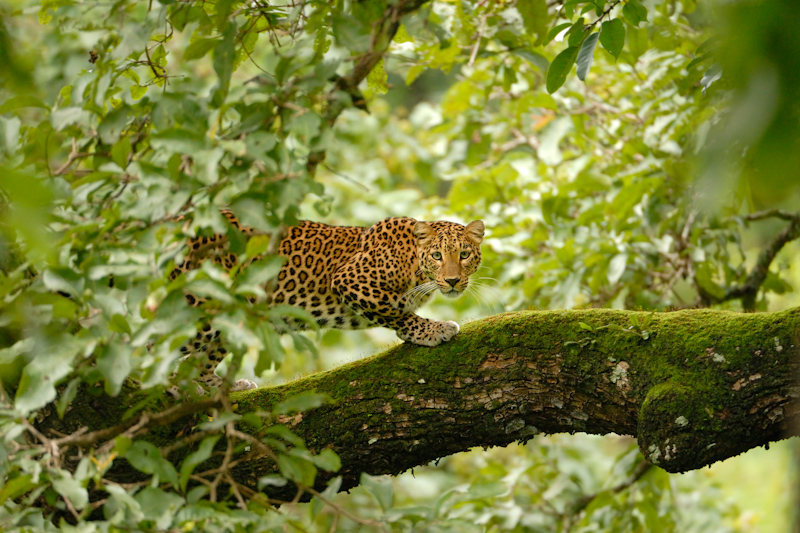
<point x="433" y="333"/>
<point x="243" y="384"/>
<point x="449" y="329"/>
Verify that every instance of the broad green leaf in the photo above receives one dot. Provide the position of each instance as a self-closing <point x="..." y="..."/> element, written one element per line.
<point x="616" y="267"/>
<point x="66" y="396"/>
<point x="71" y="489"/>
<point x="114" y="362"/>
<point x="560" y="67"/>
<point x="327" y="460"/>
<point x="39" y="377"/>
<point x="199" y="48"/>
<point x="487" y="490"/>
<point x="377" y="77"/>
<point x="119" y="324"/>
<point x="16" y="487"/>
<point x="634" y="12"/>
<point x="196" y="458"/>
<point x="121" y="151"/>
<point x="534" y="17"/>
<point x="297" y="469"/>
<point x="586" y="55"/>
<point x="159" y="506"/>
<point x="7" y="355"/>
<point x="23" y="100"/>
<point x="381" y="488"/>
<point x="137" y="92"/>
<point x="402" y="35"/>
<point x="179" y="140"/>
<point x="301" y="402"/>
<point x="555" y="31"/>
<point x="577" y="33"/>
<point x="414" y="73"/>
<point x="146" y="458"/>
<point x="612" y="37"/>
<point x="224" y="58"/>
<point x="330" y="491"/>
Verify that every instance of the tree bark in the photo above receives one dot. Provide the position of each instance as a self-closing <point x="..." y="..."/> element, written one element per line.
<point x="694" y="387"/>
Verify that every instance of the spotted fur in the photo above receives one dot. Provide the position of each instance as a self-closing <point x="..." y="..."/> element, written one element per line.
<point x="350" y="277"/>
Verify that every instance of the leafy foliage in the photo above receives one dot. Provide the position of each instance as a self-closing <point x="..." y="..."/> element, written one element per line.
<point x="125" y="126"/>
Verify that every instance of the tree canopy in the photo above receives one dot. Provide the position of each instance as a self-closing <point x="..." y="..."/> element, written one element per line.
<point x="625" y="154"/>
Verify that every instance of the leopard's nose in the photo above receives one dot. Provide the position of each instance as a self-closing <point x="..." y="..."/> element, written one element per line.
<point x="452" y="281"/>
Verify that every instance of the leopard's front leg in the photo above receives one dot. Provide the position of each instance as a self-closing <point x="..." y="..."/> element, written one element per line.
<point x="417" y="330"/>
<point x="388" y="310"/>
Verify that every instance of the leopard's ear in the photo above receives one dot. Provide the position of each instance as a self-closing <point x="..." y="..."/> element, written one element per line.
<point x="474" y="231"/>
<point x="423" y="232"/>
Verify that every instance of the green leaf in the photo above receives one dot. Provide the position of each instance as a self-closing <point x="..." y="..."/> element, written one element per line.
<point x="119" y="324"/>
<point x="555" y="31"/>
<point x="146" y="458"/>
<point x="71" y="489"/>
<point x="585" y="326"/>
<point x="23" y="100"/>
<point x="159" y="507"/>
<point x="487" y="490"/>
<point x="560" y="67"/>
<point x="67" y="396"/>
<point x="121" y="151"/>
<point x="377" y="77"/>
<point x="196" y="458"/>
<point x="137" y="91"/>
<point x="7" y="355"/>
<point x="258" y="273"/>
<point x="114" y="363"/>
<point x="297" y="469"/>
<point x="224" y="59"/>
<point x="634" y="12"/>
<point x="330" y="491"/>
<point x="16" y="487"/>
<point x="327" y="460"/>
<point x="534" y="17"/>
<point x="381" y="488"/>
<point x="577" y="33"/>
<point x="301" y="402"/>
<point x="199" y="48"/>
<point x="616" y="267"/>
<point x="612" y="37"/>
<point x="586" y="55"/>
<point x="414" y="73"/>
<point x="179" y="140"/>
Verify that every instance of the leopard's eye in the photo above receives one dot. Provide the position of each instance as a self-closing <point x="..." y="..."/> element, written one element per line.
<point x="465" y="254"/>
<point x="437" y="255"/>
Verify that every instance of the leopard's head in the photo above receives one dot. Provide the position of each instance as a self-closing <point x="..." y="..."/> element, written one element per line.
<point x="449" y="253"/>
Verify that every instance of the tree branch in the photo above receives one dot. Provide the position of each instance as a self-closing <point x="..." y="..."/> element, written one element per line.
<point x="384" y="30"/>
<point x="699" y="387"/>
<point x="748" y="291"/>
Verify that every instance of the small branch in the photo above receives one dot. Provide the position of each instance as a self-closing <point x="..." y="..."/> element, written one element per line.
<point x="384" y="30"/>
<point x="604" y="15"/>
<point x="641" y="469"/>
<point x="772" y="213"/>
<point x="747" y="291"/>
<point x="73" y="156"/>
<point x="167" y="417"/>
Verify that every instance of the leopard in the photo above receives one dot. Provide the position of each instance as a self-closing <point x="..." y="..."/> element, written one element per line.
<point x="350" y="277"/>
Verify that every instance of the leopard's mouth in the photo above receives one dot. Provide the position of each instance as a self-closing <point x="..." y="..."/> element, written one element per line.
<point x="451" y="292"/>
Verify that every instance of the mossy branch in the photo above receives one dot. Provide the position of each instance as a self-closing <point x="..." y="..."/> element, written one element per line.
<point x="694" y="387"/>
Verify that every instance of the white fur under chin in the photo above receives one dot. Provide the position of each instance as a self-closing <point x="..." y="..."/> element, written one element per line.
<point x="453" y="294"/>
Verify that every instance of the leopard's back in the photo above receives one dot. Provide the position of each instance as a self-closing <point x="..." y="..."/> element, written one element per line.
<point x="314" y="252"/>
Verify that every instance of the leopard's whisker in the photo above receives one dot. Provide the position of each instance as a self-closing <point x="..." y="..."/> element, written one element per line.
<point x="475" y="291"/>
